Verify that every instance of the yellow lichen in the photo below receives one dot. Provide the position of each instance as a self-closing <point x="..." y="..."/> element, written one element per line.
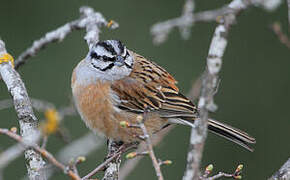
<point x="7" y="58"/>
<point x="51" y="123"/>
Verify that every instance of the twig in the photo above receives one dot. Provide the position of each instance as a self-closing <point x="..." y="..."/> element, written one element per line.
<point x="27" y="120"/>
<point x="90" y="20"/>
<point x="283" y="173"/>
<point x="104" y="164"/>
<point x="10" y="154"/>
<point x="75" y="149"/>
<point x="43" y="152"/>
<point x="269" y="5"/>
<point x="129" y="165"/>
<point x="219" y="175"/>
<point x="276" y="27"/>
<point x="150" y="148"/>
<point x="160" y="31"/>
<point x="209" y="83"/>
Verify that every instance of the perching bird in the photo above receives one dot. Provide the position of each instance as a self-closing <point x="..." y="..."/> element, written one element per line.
<point x="113" y="84"/>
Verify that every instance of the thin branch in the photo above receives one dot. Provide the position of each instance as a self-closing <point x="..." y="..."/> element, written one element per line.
<point x="283" y="173"/>
<point x="75" y="149"/>
<point x="151" y="152"/>
<point x="90" y="20"/>
<point x="129" y="165"/>
<point x="269" y="5"/>
<point x="208" y="88"/>
<point x="110" y="159"/>
<point x="27" y="120"/>
<point x="276" y="27"/>
<point x="9" y="155"/>
<point x="43" y="152"/>
<point x="160" y="31"/>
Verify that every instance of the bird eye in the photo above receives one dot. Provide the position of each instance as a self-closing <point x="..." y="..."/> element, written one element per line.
<point x="106" y="58"/>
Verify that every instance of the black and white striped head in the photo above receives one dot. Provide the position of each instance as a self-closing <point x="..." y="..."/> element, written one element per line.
<point x="110" y="59"/>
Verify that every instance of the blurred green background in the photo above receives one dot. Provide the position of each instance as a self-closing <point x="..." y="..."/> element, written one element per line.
<point x="253" y="95"/>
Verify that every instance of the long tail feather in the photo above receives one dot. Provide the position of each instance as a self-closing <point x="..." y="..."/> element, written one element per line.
<point x="233" y="134"/>
<point x="226" y="131"/>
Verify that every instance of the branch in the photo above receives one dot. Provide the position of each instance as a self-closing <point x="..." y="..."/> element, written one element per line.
<point x="105" y="164"/>
<point x="90" y="20"/>
<point x="129" y="165"/>
<point x="276" y="27"/>
<point x="76" y="149"/>
<point x="160" y="31"/>
<point x="112" y="170"/>
<point x="155" y="162"/>
<point x="235" y="175"/>
<point x="10" y="155"/>
<point x="43" y="152"/>
<point x="283" y="173"/>
<point x="209" y="85"/>
<point x="27" y="120"/>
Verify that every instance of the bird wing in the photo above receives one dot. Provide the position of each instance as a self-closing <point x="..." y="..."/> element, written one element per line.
<point x="150" y="87"/>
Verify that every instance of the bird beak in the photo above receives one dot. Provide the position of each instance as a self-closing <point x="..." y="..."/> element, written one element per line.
<point x="119" y="61"/>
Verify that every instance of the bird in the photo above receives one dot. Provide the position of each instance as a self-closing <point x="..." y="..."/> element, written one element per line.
<point x="113" y="84"/>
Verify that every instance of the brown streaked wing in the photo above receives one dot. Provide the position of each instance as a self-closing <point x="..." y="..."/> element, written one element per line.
<point x="150" y="86"/>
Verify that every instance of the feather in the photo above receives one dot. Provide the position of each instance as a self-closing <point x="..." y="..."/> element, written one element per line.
<point x="150" y="87"/>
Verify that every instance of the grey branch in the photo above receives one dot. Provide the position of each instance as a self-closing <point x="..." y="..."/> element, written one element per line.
<point x="112" y="171"/>
<point x="90" y="141"/>
<point x="10" y="155"/>
<point x="90" y="20"/>
<point x="209" y="84"/>
<point x="269" y="5"/>
<point x="27" y="120"/>
<point x="283" y="173"/>
<point x="149" y="145"/>
<point x="16" y="150"/>
<point x="129" y="165"/>
<point x="42" y="151"/>
<point x="160" y="31"/>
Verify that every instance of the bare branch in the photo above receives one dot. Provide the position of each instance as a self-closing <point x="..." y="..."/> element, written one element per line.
<point x="283" y="173"/>
<point x="27" y="119"/>
<point x="150" y="149"/>
<point x="90" y="20"/>
<point x="10" y="155"/>
<point x="43" y="152"/>
<point x="132" y="163"/>
<point x="269" y="5"/>
<point x="208" y="88"/>
<point x="105" y="164"/>
<point x="161" y="30"/>
<point x="276" y="27"/>
<point x="75" y="149"/>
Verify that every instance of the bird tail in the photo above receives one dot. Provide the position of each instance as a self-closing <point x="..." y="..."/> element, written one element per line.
<point x="226" y="131"/>
<point x="230" y="133"/>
